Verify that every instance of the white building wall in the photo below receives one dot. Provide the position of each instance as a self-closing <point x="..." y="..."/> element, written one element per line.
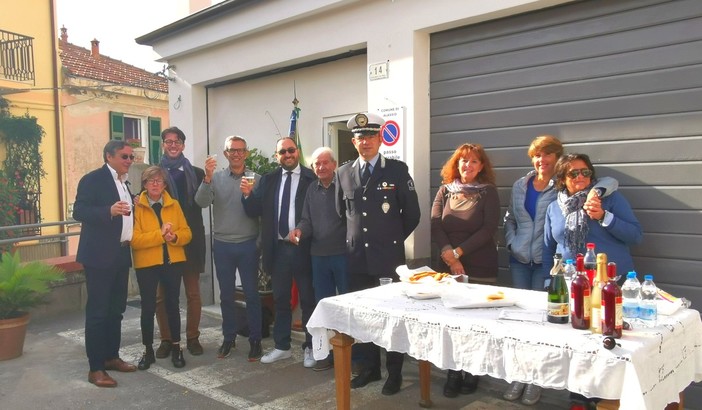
<point x="279" y="33"/>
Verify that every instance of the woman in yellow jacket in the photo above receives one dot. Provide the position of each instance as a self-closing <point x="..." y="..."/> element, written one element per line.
<point x="160" y="234"/>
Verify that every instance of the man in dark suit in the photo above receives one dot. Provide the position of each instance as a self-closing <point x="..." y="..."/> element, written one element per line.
<point x="183" y="181"/>
<point x="104" y="206"/>
<point x="382" y="210"/>
<point x="278" y="199"/>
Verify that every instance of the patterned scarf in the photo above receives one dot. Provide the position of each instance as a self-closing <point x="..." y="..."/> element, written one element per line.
<point x="463" y="197"/>
<point x="576" y="228"/>
<point x="190" y="178"/>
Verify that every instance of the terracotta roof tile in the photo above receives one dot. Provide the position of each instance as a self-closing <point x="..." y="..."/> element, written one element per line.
<point x="79" y="63"/>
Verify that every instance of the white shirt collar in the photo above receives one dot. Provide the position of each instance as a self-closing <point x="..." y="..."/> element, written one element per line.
<point x="114" y="174"/>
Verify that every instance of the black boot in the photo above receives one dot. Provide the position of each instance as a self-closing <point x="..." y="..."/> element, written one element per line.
<point x="177" y="356"/>
<point x="470" y="383"/>
<point x="147" y="359"/>
<point x="453" y="383"/>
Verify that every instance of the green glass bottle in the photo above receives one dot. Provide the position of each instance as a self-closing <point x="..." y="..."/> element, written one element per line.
<point x="558" y="301"/>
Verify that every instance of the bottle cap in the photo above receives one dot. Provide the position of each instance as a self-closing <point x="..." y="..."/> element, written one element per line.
<point x="569" y="261"/>
<point x="631" y="275"/>
<point x="648" y="277"/>
<point x="590" y="245"/>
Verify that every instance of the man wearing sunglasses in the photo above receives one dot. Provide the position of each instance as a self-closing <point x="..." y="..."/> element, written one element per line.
<point x="104" y="207"/>
<point x="278" y="200"/>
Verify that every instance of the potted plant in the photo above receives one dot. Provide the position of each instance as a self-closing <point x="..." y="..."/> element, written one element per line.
<point x="22" y="287"/>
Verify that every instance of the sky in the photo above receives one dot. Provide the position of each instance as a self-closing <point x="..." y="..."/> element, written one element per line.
<point x="116" y="25"/>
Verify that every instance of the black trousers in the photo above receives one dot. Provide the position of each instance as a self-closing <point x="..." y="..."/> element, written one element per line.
<point x="107" y="301"/>
<point x="169" y="276"/>
<point x="368" y="354"/>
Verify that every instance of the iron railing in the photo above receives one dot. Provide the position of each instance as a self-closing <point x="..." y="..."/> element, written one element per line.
<point x="33" y="247"/>
<point x="16" y="57"/>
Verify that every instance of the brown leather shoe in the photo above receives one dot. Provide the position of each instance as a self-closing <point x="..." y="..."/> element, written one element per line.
<point x="100" y="378"/>
<point x="194" y="347"/>
<point x="119" y="365"/>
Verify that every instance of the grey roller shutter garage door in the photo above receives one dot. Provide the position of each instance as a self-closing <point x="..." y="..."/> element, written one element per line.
<point x="618" y="80"/>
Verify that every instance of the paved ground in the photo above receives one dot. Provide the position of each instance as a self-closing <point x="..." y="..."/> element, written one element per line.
<point x="52" y="373"/>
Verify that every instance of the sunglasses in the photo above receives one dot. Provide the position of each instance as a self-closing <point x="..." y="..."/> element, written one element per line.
<point x="575" y="172"/>
<point x="125" y="156"/>
<point x="168" y="143"/>
<point x="290" y="150"/>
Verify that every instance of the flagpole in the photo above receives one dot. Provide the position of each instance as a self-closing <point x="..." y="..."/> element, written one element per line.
<point x="294" y="130"/>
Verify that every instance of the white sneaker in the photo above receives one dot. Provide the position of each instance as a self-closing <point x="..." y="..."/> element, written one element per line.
<point x="275" y="355"/>
<point x="308" y="359"/>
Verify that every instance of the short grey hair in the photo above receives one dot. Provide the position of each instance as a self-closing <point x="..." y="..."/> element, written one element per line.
<point x="235" y="138"/>
<point x="323" y="150"/>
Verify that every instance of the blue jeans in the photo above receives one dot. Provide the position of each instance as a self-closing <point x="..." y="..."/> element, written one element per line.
<point x="290" y="262"/>
<point x="527" y="275"/>
<point x="228" y="257"/>
<point x="330" y="274"/>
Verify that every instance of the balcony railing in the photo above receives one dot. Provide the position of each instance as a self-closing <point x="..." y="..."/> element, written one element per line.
<point x="16" y="57"/>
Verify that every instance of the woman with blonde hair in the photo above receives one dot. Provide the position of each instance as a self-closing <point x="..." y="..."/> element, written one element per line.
<point x="524" y="230"/>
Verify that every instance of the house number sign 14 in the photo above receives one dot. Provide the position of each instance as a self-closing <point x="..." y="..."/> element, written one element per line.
<point x="378" y="71"/>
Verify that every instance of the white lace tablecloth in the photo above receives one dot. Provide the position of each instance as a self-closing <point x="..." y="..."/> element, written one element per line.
<point x="648" y="370"/>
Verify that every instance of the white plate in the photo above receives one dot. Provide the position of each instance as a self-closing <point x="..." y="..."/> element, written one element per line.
<point x="465" y="298"/>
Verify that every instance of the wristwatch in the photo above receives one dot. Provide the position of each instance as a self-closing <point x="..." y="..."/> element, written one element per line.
<point x="455" y="254"/>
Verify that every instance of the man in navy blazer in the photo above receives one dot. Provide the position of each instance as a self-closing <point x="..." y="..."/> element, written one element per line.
<point x="104" y="206"/>
<point x="283" y="259"/>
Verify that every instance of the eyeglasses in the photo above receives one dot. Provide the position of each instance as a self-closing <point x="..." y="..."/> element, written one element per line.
<point x="154" y="181"/>
<point x="290" y="150"/>
<point x="235" y="150"/>
<point x="575" y="172"/>
<point x="125" y="156"/>
<point x="168" y="143"/>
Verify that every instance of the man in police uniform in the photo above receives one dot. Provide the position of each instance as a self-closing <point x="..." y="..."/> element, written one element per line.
<point x="382" y="210"/>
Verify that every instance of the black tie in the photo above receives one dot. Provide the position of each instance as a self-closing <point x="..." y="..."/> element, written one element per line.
<point x="157" y="210"/>
<point x="283" y="227"/>
<point x="366" y="174"/>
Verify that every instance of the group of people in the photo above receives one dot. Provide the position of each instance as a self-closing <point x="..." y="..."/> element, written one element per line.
<point x="329" y="230"/>
<point x="557" y="207"/>
<point x="160" y="230"/>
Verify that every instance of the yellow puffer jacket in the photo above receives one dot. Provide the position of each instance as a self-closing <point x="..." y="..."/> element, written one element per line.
<point x="147" y="242"/>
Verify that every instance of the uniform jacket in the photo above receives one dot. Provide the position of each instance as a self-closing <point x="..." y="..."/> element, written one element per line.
<point x="263" y="203"/>
<point x="147" y="243"/>
<point x="99" y="245"/>
<point x="379" y="217"/>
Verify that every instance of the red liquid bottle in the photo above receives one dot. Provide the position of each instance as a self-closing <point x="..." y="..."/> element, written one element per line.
<point x="580" y="297"/>
<point x="612" y="310"/>
<point x="590" y="262"/>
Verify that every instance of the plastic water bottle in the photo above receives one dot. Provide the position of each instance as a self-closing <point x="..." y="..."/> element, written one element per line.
<point x="631" y="295"/>
<point x="648" y="311"/>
